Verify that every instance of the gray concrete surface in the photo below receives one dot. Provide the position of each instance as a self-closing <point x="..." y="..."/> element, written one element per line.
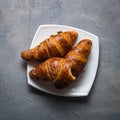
<point x="19" y="20"/>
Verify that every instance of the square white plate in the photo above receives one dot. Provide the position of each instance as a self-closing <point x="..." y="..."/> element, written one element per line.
<point x="83" y="84"/>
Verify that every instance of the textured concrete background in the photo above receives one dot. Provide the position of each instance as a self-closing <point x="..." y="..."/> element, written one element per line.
<point x="19" y="20"/>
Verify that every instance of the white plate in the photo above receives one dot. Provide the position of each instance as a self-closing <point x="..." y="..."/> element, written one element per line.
<point x="83" y="84"/>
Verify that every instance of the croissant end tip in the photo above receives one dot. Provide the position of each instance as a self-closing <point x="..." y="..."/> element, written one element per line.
<point x="33" y="75"/>
<point x="23" y="54"/>
<point x="26" y="55"/>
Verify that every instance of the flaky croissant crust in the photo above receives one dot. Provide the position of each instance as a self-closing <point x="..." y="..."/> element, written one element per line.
<point x="63" y="71"/>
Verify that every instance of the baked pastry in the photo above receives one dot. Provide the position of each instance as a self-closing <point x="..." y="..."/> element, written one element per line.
<point x="55" y="46"/>
<point x="63" y="71"/>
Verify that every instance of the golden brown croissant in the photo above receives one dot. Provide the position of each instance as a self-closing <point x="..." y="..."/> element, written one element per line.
<point x="55" y="46"/>
<point x="63" y="71"/>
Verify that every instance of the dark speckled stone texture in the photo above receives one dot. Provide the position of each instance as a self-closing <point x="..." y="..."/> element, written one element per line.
<point x="19" y="20"/>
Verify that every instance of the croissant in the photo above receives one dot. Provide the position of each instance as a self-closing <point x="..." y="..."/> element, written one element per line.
<point x="54" y="46"/>
<point x="63" y="71"/>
